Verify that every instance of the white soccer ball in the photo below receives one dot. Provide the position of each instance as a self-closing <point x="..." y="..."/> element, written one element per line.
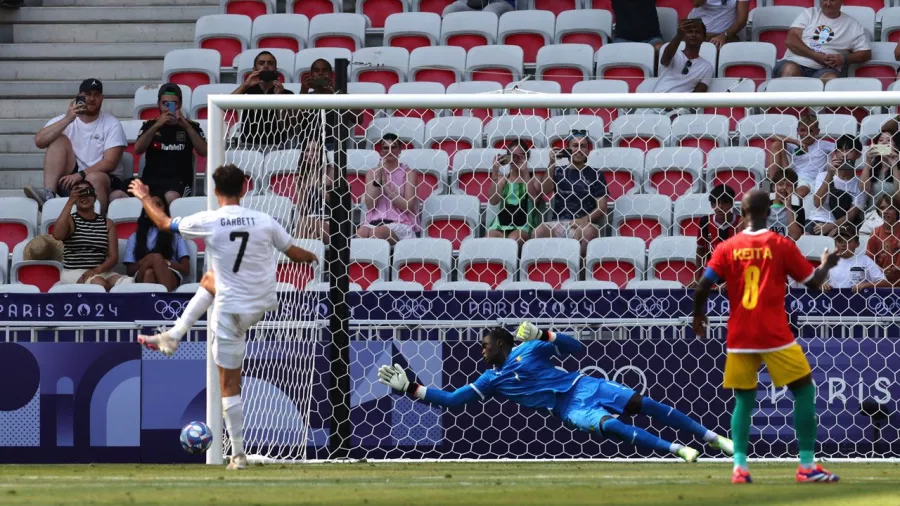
<point x="196" y="437"/>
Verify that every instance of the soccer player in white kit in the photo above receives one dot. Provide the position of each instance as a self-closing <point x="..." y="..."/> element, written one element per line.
<point x="240" y="243"/>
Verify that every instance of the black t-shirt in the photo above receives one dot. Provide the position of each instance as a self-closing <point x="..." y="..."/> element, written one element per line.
<point x="170" y="154"/>
<point x="264" y="127"/>
<point x="636" y="20"/>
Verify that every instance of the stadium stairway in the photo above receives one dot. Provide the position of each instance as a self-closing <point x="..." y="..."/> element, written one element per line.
<point x="50" y="46"/>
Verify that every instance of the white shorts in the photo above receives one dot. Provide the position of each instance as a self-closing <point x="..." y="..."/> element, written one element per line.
<point x="229" y="335"/>
<point x="400" y="230"/>
<point x="70" y="277"/>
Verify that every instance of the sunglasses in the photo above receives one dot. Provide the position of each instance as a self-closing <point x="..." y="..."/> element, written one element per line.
<point x="687" y="67"/>
<point x="86" y="192"/>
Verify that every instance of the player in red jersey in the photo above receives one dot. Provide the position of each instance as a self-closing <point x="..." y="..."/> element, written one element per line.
<point x="755" y="265"/>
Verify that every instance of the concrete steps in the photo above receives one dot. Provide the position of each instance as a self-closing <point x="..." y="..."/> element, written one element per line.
<point x="109" y="33"/>
<point x="147" y="70"/>
<point x="51" y="107"/>
<point x="118" y="3"/>
<point x="21" y="126"/>
<point x="77" y="51"/>
<point x="70" y="15"/>
<point x="19" y="143"/>
<point x="67" y="89"/>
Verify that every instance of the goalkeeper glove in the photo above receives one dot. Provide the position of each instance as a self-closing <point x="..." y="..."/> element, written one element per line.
<point x="529" y="332"/>
<point x="395" y="377"/>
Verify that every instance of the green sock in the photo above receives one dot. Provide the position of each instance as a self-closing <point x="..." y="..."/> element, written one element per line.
<point x="744" y="402"/>
<point x="805" y="423"/>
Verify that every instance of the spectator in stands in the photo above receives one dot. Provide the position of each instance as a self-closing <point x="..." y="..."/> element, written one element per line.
<point x="169" y="142"/>
<point x="839" y="199"/>
<point x="685" y="71"/>
<point x="724" y="19"/>
<point x="723" y="223"/>
<point x="498" y="7"/>
<point x="263" y="127"/>
<point x="807" y="156"/>
<point x="882" y="171"/>
<point x="513" y="192"/>
<point x="637" y="21"/>
<point x="819" y="41"/>
<point x="854" y="270"/>
<point x="786" y="216"/>
<point x="390" y="198"/>
<point x="152" y="256"/>
<point x="873" y="216"/>
<point x="314" y="182"/>
<point x="90" y="244"/>
<point x="884" y="243"/>
<point x="320" y="81"/>
<point x="579" y="193"/>
<point x="84" y="144"/>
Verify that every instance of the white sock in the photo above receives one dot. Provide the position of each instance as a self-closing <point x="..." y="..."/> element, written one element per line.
<point x="233" y="412"/>
<point x="710" y="436"/>
<point x="674" y="447"/>
<point x="196" y="308"/>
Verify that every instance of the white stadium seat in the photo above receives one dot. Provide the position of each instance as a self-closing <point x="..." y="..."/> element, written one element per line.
<point x="469" y="29"/>
<point x="489" y="260"/>
<point x="411" y="30"/>
<point x="312" y="8"/>
<point x="643" y="131"/>
<point x="524" y="285"/>
<point x="192" y="67"/>
<point x="385" y="65"/>
<point x="409" y="130"/>
<point x="200" y="94"/>
<point x="472" y="172"/>
<point x="630" y="62"/>
<point x="559" y="128"/>
<point x="644" y="216"/>
<point x="396" y="286"/>
<point x="688" y="211"/>
<point x="653" y="284"/>
<point x="461" y="286"/>
<point x="590" y="284"/>
<point x="673" y="259"/>
<point x="753" y="60"/>
<point x="440" y="64"/>
<point x="741" y="168"/>
<point x="553" y="261"/>
<point x="18" y="220"/>
<point x="431" y="166"/>
<point x="422" y="260"/>
<point x="370" y="261"/>
<point x="832" y="126"/>
<point x="452" y="217"/>
<point x="673" y="172"/>
<point x="502" y="64"/>
<point x="529" y="128"/>
<point x="566" y="64"/>
<point x="342" y="30"/>
<point x="704" y="131"/>
<point x="615" y="259"/>
<point x="529" y="29"/>
<point x="794" y="85"/>
<point x="229" y="34"/>
<point x="453" y="133"/>
<point x="584" y="26"/>
<point x="864" y="15"/>
<point x="812" y="246"/>
<point x="287" y="31"/>
<point x="622" y="167"/>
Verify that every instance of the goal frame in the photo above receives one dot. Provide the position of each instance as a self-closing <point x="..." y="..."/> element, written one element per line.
<point x="217" y="131"/>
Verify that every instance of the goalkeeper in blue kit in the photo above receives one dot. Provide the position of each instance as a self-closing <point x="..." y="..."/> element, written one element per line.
<point x="526" y="375"/>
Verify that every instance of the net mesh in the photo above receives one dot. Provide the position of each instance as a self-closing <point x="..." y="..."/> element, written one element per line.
<point x="593" y="221"/>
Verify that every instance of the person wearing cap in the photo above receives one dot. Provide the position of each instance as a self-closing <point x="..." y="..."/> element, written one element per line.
<point x="169" y="142"/>
<point x="84" y="144"/>
<point x="722" y="224"/>
<point x="839" y="199"/>
<point x="264" y="128"/>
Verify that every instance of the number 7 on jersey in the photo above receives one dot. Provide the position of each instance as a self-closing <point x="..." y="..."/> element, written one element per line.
<point x="244" y="236"/>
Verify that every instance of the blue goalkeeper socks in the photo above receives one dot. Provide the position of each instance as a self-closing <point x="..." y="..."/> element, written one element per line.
<point x="635" y="436"/>
<point x="674" y="418"/>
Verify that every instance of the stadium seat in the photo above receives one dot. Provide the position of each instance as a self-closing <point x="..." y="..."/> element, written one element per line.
<point x="832" y="126"/>
<point x="882" y="66"/>
<point x="812" y="246"/>
<point x="139" y="288"/>
<point x="461" y="286"/>
<point x="852" y="84"/>
<point x="431" y="166"/>
<point x="771" y="24"/>
<point x="439" y="64"/>
<point x="643" y="131"/>
<point x="435" y="6"/>
<point x="40" y="273"/>
<point x="524" y="285"/>
<point x="601" y="86"/>
<point x="864" y="15"/>
<point x="730" y="85"/>
<point x="280" y="31"/>
<point x="280" y="208"/>
<point x="284" y="57"/>
<point x="186" y="206"/>
<point x="51" y="210"/>
<point x="475" y="87"/>
<point x="704" y="131"/>
<point x="370" y="261"/>
<point x="890" y="25"/>
<point x="423" y="261"/>
<point x="360" y="161"/>
<point x="124" y="214"/>
<point x="750" y="60"/>
<point x="301" y="275"/>
<point x="530" y="30"/>
<point x="488" y="260"/>
<point x="417" y="89"/>
<point x="451" y="217"/>
<point x="18" y="220"/>
<point x="188" y="288"/>
<point x="688" y="211"/>
<point x="347" y="31"/>
<point x="558" y="129"/>
<point x="757" y="130"/>
<point x="538" y="162"/>
<point x="396" y="286"/>
<point x="566" y="64"/>
<point x="532" y="87"/>
<point x="453" y="134"/>
<point x="146" y="100"/>
<point x="871" y="126"/>
<point x="501" y="64"/>
<point x="249" y="8"/>
<point x="875" y="5"/>
<point x="472" y="172"/>
<point x="631" y="62"/>
<point x="412" y="30"/>
<point x="19" y="288"/>
<point x="469" y="29"/>
<point x="76" y="288"/>
<point x="199" y="96"/>
<point x="741" y="168"/>
<point x="668" y="22"/>
<point x="794" y="85"/>
<point x="556" y="7"/>
<point x="673" y="172"/>
<point x="643" y="216"/>
<point x="305" y="58"/>
<point x="589" y="284"/>
<point x="708" y="52"/>
<point x="682" y="9"/>
<point x="623" y="169"/>
<point x="312" y="8"/>
<point x="528" y="129"/>
<point x="252" y="162"/>
<point x="653" y="284"/>
<point x="132" y="128"/>
<point x="553" y="261"/>
<point x="673" y="259"/>
<point x="410" y="131"/>
<point x="279" y="174"/>
<point x="323" y="287"/>
<point x="383" y="65"/>
<point x="364" y="117"/>
<point x="192" y="67"/>
<point x="4" y="263"/>
<point x="592" y="27"/>
<point x="615" y="259"/>
<point x="377" y="12"/>
<point x="229" y="34"/>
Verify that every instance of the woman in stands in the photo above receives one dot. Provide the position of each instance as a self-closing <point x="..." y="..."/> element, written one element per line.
<point x="882" y="170"/>
<point x="152" y="256"/>
<point x="391" y="205"/>
<point x="514" y="195"/>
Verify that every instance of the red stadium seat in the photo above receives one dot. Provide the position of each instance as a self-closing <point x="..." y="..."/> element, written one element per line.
<point x="250" y="8"/>
<point x="311" y="8"/>
<point x="615" y="259"/>
<point x="552" y="261"/>
<point x="378" y="10"/>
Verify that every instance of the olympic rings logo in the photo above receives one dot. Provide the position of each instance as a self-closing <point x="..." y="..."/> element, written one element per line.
<point x="882" y="306"/>
<point x="410" y="308"/>
<point x="643" y="308"/>
<point x="169" y="310"/>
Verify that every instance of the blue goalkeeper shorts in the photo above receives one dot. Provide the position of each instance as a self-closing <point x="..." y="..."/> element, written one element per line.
<point x="589" y="401"/>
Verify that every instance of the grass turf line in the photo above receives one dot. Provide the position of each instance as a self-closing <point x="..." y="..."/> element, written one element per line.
<point x="495" y="484"/>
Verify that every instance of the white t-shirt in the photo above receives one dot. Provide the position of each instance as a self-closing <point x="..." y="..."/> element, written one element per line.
<point x="851" y="186"/>
<point x="717" y="15"/>
<point x="827" y="35"/>
<point x="241" y="244"/>
<point x="853" y="271"/>
<point x="813" y="161"/>
<point x="90" y="140"/>
<point x="673" y="81"/>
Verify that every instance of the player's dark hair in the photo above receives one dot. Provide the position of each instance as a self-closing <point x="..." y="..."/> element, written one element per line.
<point x="721" y="193"/>
<point x="229" y="180"/>
<point x="848" y="233"/>
<point x="502" y="336"/>
<point x="782" y="174"/>
<point x="326" y="62"/>
<point x="163" y="244"/>
<point x="256" y="58"/>
<point x="699" y="22"/>
<point x="848" y="142"/>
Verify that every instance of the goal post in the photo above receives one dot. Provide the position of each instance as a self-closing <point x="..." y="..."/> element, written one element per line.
<point x="482" y="242"/>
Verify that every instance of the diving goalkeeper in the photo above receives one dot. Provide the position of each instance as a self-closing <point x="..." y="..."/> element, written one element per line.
<point x="526" y="375"/>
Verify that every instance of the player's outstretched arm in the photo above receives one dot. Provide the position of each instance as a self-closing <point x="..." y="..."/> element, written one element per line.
<point x="701" y="294"/>
<point x="156" y="215"/>
<point x="300" y="255"/>
<point x="565" y="344"/>
<point x="395" y="377"/>
<point x="820" y="275"/>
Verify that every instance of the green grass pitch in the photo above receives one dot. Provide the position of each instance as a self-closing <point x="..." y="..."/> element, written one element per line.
<point x="425" y="484"/>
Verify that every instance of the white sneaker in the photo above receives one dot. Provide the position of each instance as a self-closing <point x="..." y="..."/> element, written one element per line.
<point x="237" y="463"/>
<point x="162" y="342"/>
<point x="688" y="454"/>
<point x="724" y="444"/>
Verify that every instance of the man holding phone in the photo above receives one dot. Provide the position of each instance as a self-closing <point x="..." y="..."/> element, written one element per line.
<point x="169" y="142"/>
<point x="263" y="127"/>
<point x="839" y="199"/>
<point x="84" y="144"/>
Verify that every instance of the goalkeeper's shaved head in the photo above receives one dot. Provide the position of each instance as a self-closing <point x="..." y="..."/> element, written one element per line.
<point x="755" y="207"/>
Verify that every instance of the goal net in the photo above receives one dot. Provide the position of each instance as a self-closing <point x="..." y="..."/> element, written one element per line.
<point x="437" y="217"/>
